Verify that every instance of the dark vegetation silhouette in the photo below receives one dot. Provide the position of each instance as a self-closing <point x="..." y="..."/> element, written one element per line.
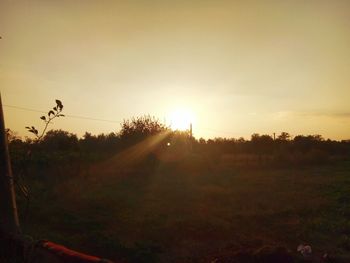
<point x="125" y="194"/>
<point x="260" y="150"/>
<point x="52" y="114"/>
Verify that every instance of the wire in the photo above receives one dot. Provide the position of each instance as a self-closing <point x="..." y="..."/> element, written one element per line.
<point x="104" y="120"/>
<point x="21" y="108"/>
<point x="66" y="115"/>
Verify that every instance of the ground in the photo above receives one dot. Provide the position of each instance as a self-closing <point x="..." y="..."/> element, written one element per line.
<point x="193" y="211"/>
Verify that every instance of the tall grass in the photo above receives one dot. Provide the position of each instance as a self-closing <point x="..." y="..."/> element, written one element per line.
<point x="192" y="210"/>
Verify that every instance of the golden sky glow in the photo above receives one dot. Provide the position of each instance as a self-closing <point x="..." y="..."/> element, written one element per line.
<point x="241" y="66"/>
<point x="181" y="119"/>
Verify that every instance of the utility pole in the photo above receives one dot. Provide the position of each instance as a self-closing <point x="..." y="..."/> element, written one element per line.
<point x="9" y="222"/>
<point x="191" y="137"/>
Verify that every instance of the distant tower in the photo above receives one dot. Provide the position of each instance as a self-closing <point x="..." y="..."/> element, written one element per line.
<point x="191" y="138"/>
<point x="274" y="136"/>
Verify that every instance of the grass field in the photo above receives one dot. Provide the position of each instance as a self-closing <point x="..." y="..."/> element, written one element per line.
<point x="193" y="210"/>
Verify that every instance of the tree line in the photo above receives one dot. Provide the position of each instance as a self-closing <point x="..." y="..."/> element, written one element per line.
<point x="59" y="146"/>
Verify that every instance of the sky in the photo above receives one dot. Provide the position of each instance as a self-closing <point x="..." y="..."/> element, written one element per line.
<point x="239" y="67"/>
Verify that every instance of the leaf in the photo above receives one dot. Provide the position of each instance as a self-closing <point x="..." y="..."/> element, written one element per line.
<point x="59" y="103"/>
<point x="43" y="118"/>
<point x="51" y="112"/>
<point x="60" y="115"/>
<point x="55" y="108"/>
<point x="36" y="131"/>
<point x="27" y="127"/>
<point x="33" y="127"/>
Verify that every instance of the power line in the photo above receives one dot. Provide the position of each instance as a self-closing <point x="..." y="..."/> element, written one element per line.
<point x="21" y="108"/>
<point x="104" y="120"/>
<point x="66" y="115"/>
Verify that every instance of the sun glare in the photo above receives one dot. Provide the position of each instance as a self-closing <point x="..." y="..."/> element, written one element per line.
<point x="181" y="119"/>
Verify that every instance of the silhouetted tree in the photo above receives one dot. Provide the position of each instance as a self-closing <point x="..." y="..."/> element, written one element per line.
<point x="11" y="135"/>
<point x="59" y="140"/>
<point x="305" y="143"/>
<point x="139" y="128"/>
<point x="284" y="136"/>
<point x="262" y="144"/>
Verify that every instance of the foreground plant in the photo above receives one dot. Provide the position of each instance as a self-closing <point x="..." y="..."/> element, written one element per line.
<point x="52" y="114"/>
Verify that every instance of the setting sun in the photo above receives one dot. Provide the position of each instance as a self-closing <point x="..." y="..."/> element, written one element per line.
<point x="182" y="131"/>
<point x="181" y="119"/>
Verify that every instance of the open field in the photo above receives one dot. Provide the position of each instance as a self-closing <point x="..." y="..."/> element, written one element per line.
<point x="175" y="131"/>
<point x="192" y="210"/>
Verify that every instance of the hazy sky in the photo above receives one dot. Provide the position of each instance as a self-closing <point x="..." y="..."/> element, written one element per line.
<point x="240" y="66"/>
